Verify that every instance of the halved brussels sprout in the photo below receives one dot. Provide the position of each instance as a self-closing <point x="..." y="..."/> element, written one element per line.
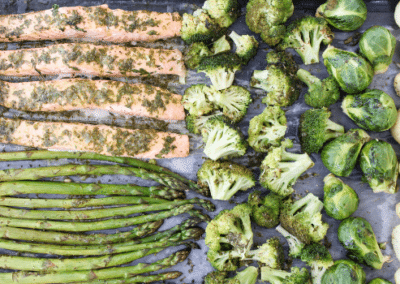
<point x="377" y="44"/>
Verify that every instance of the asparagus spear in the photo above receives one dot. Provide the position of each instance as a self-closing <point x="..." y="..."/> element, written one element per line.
<point x="48" y="187"/>
<point x="96" y="239"/>
<point x="23" y="277"/>
<point x="78" y="239"/>
<point x="92" y="226"/>
<point x="77" y="202"/>
<point x="44" y="155"/>
<point x="130" y="246"/>
<point x="89" y="263"/>
<point x="138" y="279"/>
<point x="91" y="214"/>
<point x="73" y="169"/>
<point x="167" y="233"/>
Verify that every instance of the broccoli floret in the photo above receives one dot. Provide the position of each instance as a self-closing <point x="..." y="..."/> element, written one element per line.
<point x="200" y="27"/>
<point x="280" y="169"/>
<point x="267" y="129"/>
<point x="246" y="46"/>
<point x="316" y="128"/>
<point x="295" y="246"/>
<point x="224" y="12"/>
<point x="224" y="179"/>
<point x="246" y="276"/>
<point x="305" y="36"/>
<point x="221" y="140"/>
<point x="283" y="60"/>
<point x="234" y="102"/>
<point x="303" y="218"/>
<point x="295" y="276"/>
<point x="318" y="257"/>
<point x="229" y="237"/>
<point x="196" y="99"/>
<point x="321" y="93"/>
<point x="268" y="18"/>
<point x="270" y="254"/>
<point x="265" y="210"/>
<point x="221" y="45"/>
<point x="220" y="68"/>
<point x="196" y="52"/>
<point x="281" y="88"/>
<point x="195" y="123"/>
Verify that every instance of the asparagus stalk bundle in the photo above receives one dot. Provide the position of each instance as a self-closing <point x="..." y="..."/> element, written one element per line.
<point x="65" y="226"/>
<point x="23" y="277"/>
<point x="96" y="239"/>
<point x="91" y="214"/>
<point x="86" y="250"/>
<point x="44" y="155"/>
<point x="48" y="187"/>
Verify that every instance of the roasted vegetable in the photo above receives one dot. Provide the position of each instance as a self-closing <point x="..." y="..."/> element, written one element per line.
<point x="372" y="110"/>
<point x="340" y="155"/>
<point x="246" y="46"/>
<point x="344" y="271"/>
<point x="280" y="169"/>
<point x="222" y="140"/>
<point x="352" y="71"/>
<point x="196" y="99"/>
<point x="267" y="129"/>
<point x="199" y="26"/>
<point x="340" y="200"/>
<point x="246" y="276"/>
<point x="321" y="93"/>
<point x="318" y="257"/>
<point x="281" y="87"/>
<point x="220" y="68"/>
<point x="265" y="210"/>
<point x="268" y="17"/>
<point x="303" y="218"/>
<point x="305" y="35"/>
<point x="357" y="236"/>
<point x="276" y="276"/>
<point x="378" y="162"/>
<point x="377" y="44"/>
<point x="224" y="179"/>
<point x="316" y="128"/>
<point x="224" y="12"/>
<point x="345" y="15"/>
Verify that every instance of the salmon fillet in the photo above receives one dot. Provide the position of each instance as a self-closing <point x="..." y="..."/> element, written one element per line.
<point x="107" y="140"/>
<point x="97" y="23"/>
<point x="90" y="59"/>
<point x="73" y="94"/>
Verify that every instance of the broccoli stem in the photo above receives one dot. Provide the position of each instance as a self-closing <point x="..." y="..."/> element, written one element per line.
<point x="295" y="245"/>
<point x="273" y="275"/>
<point x="317" y="272"/>
<point x="306" y="77"/>
<point x="309" y="204"/>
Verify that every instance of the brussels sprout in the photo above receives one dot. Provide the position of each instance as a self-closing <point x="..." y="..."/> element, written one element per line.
<point x="340" y="155"/>
<point x="378" y="162"/>
<point x="379" y="281"/>
<point x="344" y="271"/>
<point x="396" y="241"/>
<point x="357" y="236"/>
<point x="377" y="44"/>
<point x="352" y="71"/>
<point x="340" y="200"/>
<point x="372" y="110"/>
<point x="345" y="15"/>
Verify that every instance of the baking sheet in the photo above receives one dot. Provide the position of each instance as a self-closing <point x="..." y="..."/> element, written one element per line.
<point x="378" y="209"/>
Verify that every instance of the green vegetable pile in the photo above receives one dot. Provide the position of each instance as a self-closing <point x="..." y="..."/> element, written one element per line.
<point x="32" y="226"/>
<point x="299" y="219"/>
